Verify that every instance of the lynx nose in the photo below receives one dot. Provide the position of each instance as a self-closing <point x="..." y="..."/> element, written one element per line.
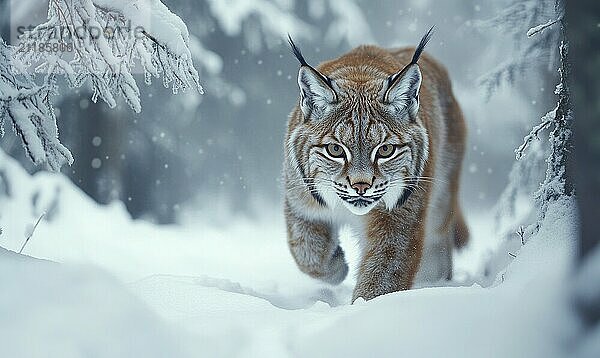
<point x="361" y="187"/>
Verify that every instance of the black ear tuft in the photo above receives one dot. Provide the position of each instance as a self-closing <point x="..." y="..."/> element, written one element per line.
<point x="296" y="51"/>
<point x="424" y="40"/>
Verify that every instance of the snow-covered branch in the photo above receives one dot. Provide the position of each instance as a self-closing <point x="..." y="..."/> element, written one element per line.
<point x="514" y="20"/>
<point x="349" y="24"/>
<point x="560" y="12"/>
<point x="523" y="180"/>
<point x="102" y="41"/>
<point x="534" y="134"/>
<point x="28" y="108"/>
<point x="270" y="19"/>
<point x="539" y="28"/>
<point x="274" y="17"/>
<point x="98" y="42"/>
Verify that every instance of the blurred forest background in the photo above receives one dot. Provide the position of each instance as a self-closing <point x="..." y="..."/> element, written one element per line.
<point x="186" y="153"/>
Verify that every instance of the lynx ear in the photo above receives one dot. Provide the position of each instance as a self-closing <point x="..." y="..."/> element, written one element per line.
<point x="317" y="91"/>
<point x="401" y="90"/>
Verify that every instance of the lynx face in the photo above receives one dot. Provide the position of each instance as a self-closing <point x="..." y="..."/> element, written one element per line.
<point x="361" y="141"/>
<point x="359" y="167"/>
<point x="361" y="152"/>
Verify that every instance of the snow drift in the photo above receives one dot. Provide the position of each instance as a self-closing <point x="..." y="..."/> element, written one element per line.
<point x="129" y="288"/>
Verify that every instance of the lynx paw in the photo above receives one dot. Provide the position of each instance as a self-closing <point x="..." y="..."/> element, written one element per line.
<point x="338" y="269"/>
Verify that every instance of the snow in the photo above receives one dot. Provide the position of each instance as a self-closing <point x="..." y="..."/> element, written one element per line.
<point x="54" y="310"/>
<point x="154" y="17"/>
<point x="130" y="288"/>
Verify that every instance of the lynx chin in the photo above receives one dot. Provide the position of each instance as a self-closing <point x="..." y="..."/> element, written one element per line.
<point x="376" y="142"/>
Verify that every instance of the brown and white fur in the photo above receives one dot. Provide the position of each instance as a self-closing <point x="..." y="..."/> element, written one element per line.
<point x="375" y="142"/>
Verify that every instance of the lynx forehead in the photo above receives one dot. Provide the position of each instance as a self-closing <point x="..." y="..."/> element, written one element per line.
<point x="378" y="135"/>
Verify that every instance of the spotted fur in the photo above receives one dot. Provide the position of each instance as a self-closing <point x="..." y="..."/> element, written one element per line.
<point x="405" y="206"/>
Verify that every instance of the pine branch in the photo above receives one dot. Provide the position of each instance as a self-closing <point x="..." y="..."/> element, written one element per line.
<point x="76" y="43"/>
<point x="539" y="28"/>
<point x="28" y="108"/>
<point x="534" y="134"/>
<point x="512" y="21"/>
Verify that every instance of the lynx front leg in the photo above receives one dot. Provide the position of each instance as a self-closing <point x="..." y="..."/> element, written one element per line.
<point x="316" y="249"/>
<point x="390" y="259"/>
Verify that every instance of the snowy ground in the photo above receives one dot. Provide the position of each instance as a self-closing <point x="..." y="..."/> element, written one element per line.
<point x="127" y="288"/>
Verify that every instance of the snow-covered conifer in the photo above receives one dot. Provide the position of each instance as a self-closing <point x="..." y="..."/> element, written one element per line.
<point x="558" y="122"/>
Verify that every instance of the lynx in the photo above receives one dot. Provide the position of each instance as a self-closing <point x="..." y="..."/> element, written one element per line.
<point x="376" y="142"/>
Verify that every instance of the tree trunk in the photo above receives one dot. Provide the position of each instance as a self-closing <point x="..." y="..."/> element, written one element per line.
<point x="584" y="36"/>
<point x="582" y="19"/>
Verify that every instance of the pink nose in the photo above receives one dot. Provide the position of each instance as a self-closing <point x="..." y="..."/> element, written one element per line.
<point x="361" y="187"/>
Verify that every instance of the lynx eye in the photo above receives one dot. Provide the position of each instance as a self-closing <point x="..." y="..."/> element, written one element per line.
<point x="335" y="150"/>
<point x="386" y="151"/>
